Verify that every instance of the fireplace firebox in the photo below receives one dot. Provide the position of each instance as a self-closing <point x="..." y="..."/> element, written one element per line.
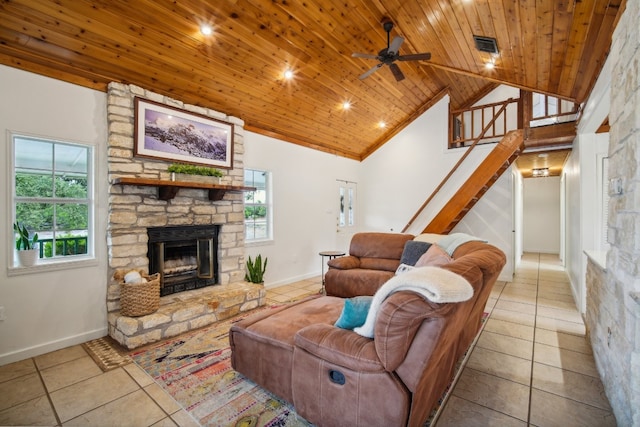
<point x="185" y="256"/>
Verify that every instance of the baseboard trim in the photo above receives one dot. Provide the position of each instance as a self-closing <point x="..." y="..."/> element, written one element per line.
<point x="37" y="350"/>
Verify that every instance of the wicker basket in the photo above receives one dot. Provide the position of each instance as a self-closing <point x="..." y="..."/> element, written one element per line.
<point x="138" y="299"/>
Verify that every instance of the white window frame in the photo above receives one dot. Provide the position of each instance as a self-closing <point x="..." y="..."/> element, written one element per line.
<point x="61" y="262"/>
<point x="268" y="204"/>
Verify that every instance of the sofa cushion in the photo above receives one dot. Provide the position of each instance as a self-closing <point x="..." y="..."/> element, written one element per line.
<point x="344" y="262"/>
<point x="412" y="252"/>
<point x="434" y="257"/>
<point x="378" y="245"/>
<point x="451" y="242"/>
<point x="354" y="312"/>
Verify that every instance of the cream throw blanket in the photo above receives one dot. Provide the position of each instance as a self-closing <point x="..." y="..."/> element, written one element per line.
<point x="433" y="283"/>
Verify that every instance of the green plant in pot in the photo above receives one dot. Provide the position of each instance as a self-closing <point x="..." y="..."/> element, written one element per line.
<point x="193" y="171"/>
<point x="255" y="270"/>
<point x="25" y="245"/>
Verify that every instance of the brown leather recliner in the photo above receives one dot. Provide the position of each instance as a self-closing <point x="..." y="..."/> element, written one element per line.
<point x="373" y="259"/>
<point x="336" y="377"/>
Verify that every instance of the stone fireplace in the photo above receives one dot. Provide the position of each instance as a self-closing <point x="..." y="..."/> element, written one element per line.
<point x="207" y="268"/>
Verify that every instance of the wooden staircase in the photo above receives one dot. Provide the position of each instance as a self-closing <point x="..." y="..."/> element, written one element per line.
<point x="487" y="173"/>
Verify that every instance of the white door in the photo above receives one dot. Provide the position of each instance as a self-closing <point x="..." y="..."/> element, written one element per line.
<point x="346" y="218"/>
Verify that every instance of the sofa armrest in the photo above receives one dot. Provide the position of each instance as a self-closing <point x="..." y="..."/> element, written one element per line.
<point x="339" y="346"/>
<point x="344" y="263"/>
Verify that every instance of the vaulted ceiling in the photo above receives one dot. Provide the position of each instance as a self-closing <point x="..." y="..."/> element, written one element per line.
<point x="554" y="47"/>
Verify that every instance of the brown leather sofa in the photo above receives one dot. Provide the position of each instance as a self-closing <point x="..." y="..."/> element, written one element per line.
<point x="373" y="259"/>
<point x="335" y="377"/>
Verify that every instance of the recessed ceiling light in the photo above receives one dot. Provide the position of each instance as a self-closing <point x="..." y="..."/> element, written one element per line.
<point x="288" y="74"/>
<point x="543" y="155"/>
<point x="382" y="124"/>
<point x="490" y="65"/>
<point x="206" y="30"/>
<point x="346" y="105"/>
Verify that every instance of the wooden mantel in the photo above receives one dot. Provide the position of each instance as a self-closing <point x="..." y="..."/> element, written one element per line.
<point x="167" y="190"/>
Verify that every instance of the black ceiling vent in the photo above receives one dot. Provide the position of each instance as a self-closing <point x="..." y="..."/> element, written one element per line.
<point x="486" y="44"/>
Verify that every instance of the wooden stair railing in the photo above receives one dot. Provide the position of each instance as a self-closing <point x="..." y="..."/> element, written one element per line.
<point x="487" y="173"/>
<point x="457" y="165"/>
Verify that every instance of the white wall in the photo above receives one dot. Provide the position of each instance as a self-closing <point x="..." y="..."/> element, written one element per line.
<point x="581" y="171"/>
<point x="541" y="221"/>
<point x="51" y="309"/>
<point x="401" y="175"/>
<point x="305" y="205"/>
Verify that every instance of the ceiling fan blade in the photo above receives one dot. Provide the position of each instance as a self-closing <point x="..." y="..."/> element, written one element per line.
<point x="395" y="45"/>
<point x="364" y="55"/>
<point x="371" y="71"/>
<point x="396" y="72"/>
<point x="415" y="57"/>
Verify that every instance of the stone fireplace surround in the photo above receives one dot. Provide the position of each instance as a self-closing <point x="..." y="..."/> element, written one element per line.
<point x="133" y="209"/>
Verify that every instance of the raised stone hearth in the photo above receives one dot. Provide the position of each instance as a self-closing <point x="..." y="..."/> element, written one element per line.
<point x="185" y="311"/>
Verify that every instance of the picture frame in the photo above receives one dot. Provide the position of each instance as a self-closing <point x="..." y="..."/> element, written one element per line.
<point x="164" y="132"/>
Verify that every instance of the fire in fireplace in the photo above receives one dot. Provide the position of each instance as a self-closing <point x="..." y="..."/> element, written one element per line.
<point x="185" y="256"/>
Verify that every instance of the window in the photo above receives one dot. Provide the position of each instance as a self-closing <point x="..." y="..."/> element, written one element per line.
<point x="257" y="206"/>
<point x="347" y="196"/>
<point x="53" y="195"/>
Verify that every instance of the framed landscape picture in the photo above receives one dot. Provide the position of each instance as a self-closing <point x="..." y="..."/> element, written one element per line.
<point x="168" y="133"/>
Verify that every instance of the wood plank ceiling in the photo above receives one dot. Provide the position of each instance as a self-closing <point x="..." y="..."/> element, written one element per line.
<point x="550" y="46"/>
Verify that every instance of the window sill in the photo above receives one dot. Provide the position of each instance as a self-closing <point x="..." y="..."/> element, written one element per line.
<point x="46" y="266"/>
<point x="264" y="242"/>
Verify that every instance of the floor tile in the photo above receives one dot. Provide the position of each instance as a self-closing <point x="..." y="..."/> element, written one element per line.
<point x="513" y="316"/>
<point x="139" y="408"/>
<point x="562" y="340"/>
<point x="36" y="412"/>
<point x="550" y="410"/>
<point x="502" y="365"/>
<point x="460" y="412"/>
<point x="60" y="356"/>
<point x="565" y="359"/>
<point x="165" y="401"/>
<point x="86" y="395"/>
<point x="560" y="314"/>
<point x="20" y="390"/>
<point x="518" y="295"/>
<point x="17" y="369"/>
<point x="555" y="302"/>
<point x="510" y="329"/>
<point x="165" y="422"/>
<point x="183" y="419"/>
<point x="516" y="306"/>
<point x="560" y="326"/>
<point x="65" y="374"/>
<point x="494" y="393"/>
<point x="574" y="386"/>
<point x="140" y="376"/>
<point x="505" y="344"/>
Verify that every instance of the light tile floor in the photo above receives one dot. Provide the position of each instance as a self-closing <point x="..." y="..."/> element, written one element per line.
<point x="532" y="365"/>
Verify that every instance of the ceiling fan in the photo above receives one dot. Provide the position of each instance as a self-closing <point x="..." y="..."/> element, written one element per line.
<point x="390" y="54"/>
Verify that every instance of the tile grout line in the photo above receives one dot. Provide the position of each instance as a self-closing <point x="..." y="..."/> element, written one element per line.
<point x="533" y="343"/>
<point x="47" y="393"/>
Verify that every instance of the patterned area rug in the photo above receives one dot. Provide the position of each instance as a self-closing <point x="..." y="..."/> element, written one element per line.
<point x="195" y="368"/>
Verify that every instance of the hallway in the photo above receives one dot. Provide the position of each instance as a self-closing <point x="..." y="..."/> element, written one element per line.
<point x="532" y="364"/>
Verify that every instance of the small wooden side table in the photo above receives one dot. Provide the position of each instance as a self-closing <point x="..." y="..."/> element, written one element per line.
<point x="331" y="255"/>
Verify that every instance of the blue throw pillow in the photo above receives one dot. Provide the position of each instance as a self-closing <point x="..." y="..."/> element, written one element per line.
<point x="354" y="313"/>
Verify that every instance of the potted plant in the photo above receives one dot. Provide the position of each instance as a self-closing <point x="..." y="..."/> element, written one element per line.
<point x="184" y="172"/>
<point x="26" y="246"/>
<point x="255" y="270"/>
